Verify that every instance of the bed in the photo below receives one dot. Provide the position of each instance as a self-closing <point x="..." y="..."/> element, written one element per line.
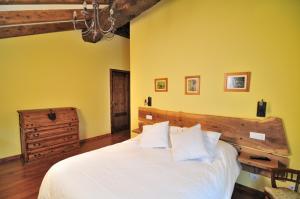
<point x="127" y="171"/>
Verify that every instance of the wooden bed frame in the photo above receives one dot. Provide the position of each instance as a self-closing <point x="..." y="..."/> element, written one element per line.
<point x="235" y="131"/>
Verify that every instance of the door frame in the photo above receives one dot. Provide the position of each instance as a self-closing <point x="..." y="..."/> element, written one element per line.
<point x="111" y="71"/>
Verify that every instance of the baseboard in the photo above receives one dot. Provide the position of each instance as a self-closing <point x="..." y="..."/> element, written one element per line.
<point x="17" y="157"/>
<point x="99" y="137"/>
<point x="10" y="158"/>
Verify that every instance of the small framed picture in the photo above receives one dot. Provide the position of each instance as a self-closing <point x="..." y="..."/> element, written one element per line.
<point x="192" y="85"/>
<point x="161" y="84"/>
<point x="237" y="82"/>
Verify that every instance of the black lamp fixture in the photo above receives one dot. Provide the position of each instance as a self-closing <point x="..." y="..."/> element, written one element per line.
<point x="261" y="108"/>
<point x="148" y="101"/>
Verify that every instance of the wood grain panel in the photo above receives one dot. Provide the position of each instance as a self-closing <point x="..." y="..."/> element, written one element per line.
<point x="37" y="16"/>
<point x="234" y="130"/>
<point x="15" y="2"/>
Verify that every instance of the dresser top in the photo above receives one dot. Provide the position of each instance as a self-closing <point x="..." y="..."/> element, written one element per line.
<point x="44" y="109"/>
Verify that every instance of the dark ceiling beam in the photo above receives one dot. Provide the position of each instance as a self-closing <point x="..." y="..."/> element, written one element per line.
<point x="124" y="11"/>
<point x="31" y="29"/>
<point x="17" y="2"/>
<point x="16" y="31"/>
<point x="37" y="16"/>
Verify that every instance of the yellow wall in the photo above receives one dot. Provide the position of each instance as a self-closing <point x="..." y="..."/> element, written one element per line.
<point x="57" y="70"/>
<point x="211" y="37"/>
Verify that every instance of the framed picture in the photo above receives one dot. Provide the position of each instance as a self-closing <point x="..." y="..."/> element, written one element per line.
<point x="237" y="82"/>
<point x="192" y="85"/>
<point x="161" y="84"/>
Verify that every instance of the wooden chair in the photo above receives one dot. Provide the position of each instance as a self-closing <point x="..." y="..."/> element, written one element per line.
<point x="280" y="192"/>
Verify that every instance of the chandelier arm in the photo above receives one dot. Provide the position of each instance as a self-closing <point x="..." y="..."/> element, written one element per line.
<point x="88" y="29"/>
<point x="74" y="20"/>
<point x="86" y="25"/>
<point x="96" y="16"/>
<point x="109" y="36"/>
<point x="112" y="23"/>
<point x="74" y="24"/>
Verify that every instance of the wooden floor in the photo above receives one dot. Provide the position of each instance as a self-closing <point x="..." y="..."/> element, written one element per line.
<point x="18" y="181"/>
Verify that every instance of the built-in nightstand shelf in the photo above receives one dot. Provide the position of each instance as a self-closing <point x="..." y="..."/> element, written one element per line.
<point x="262" y="167"/>
<point x="244" y="158"/>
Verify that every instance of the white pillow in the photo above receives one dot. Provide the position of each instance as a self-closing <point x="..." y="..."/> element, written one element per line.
<point x="198" y="126"/>
<point x="189" y="145"/>
<point x="156" y="135"/>
<point x="211" y="140"/>
<point x="211" y="137"/>
<point x="175" y="129"/>
<point x="178" y="129"/>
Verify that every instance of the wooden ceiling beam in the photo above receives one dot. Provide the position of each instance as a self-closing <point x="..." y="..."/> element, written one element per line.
<point x="37" y="16"/>
<point x="124" y="11"/>
<point x="16" y="31"/>
<point x="23" y="2"/>
<point x="31" y="29"/>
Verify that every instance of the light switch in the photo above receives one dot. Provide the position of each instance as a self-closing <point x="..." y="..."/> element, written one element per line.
<point x="149" y="117"/>
<point x="258" y="136"/>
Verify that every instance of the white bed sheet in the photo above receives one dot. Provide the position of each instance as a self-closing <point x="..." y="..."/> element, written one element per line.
<point x="127" y="171"/>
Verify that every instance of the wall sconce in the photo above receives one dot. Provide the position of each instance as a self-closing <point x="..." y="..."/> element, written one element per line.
<point x="261" y="108"/>
<point x="148" y="102"/>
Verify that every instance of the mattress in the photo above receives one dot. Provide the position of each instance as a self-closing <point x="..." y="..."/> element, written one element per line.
<point x="127" y="171"/>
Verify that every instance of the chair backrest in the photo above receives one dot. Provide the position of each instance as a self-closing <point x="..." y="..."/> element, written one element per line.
<point x="290" y="175"/>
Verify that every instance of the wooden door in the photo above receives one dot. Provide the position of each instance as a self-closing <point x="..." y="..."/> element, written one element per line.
<point x="120" y="100"/>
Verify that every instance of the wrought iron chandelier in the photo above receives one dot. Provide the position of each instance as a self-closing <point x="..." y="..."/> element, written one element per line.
<point x="92" y="23"/>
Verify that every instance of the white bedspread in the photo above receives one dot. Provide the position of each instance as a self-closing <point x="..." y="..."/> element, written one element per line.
<point x="126" y="171"/>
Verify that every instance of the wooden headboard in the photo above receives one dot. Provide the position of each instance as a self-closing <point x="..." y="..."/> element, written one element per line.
<point x="234" y="130"/>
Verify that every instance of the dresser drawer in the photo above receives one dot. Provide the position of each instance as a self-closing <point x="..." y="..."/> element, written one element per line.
<point x="47" y="128"/>
<point x="50" y="132"/>
<point x="37" y="150"/>
<point x="53" y="151"/>
<point x="50" y="142"/>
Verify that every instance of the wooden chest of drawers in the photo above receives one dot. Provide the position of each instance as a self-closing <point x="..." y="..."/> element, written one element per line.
<point x="48" y="132"/>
